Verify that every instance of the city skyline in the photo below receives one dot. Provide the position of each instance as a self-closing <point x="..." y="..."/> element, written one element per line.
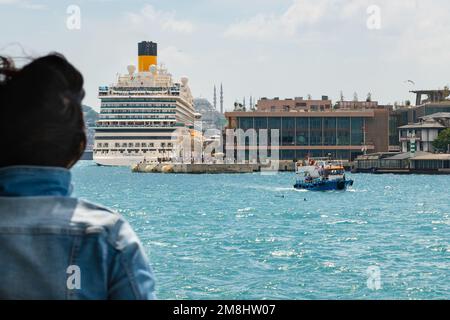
<point x="262" y="48"/>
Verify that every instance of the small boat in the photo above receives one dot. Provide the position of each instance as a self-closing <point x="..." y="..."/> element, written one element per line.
<point x="321" y="176"/>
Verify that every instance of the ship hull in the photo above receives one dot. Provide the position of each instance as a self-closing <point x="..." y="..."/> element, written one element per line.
<point x="324" y="185"/>
<point x="124" y="161"/>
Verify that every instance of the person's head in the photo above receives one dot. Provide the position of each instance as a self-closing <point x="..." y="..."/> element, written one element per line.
<point x="41" y="118"/>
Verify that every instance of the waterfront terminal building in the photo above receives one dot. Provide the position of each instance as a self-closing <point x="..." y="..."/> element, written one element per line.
<point x="315" y="128"/>
<point x="347" y="129"/>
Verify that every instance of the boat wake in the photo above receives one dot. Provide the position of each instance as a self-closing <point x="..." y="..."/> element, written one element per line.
<point x="275" y="189"/>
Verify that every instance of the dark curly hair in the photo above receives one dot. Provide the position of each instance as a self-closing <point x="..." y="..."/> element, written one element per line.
<point x="41" y="118"/>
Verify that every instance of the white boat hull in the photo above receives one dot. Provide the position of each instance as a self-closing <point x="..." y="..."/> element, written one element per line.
<point x="118" y="161"/>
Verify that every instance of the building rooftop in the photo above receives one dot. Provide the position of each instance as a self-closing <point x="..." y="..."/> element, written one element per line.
<point x="432" y="96"/>
<point x="442" y="115"/>
<point x="325" y="113"/>
<point x="433" y="156"/>
<point x="430" y="91"/>
<point x="424" y="125"/>
<point x="408" y="155"/>
<point x="376" y="155"/>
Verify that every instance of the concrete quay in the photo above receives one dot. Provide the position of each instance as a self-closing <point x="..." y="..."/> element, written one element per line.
<point x="211" y="168"/>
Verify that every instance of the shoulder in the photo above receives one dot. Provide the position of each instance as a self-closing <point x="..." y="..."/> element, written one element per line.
<point x="100" y="219"/>
<point x="92" y="215"/>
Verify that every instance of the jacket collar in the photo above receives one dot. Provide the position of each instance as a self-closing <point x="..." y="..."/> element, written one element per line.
<point x="28" y="181"/>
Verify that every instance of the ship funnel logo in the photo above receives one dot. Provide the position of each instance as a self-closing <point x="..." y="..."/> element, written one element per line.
<point x="147" y="55"/>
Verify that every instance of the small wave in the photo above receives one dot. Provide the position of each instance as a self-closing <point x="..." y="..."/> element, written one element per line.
<point x="420" y="204"/>
<point x="439" y="248"/>
<point x="247" y="209"/>
<point x="349" y="239"/>
<point x="356" y="190"/>
<point x="270" y="239"/>
<point x="267" y="188"/>
<point x="447" y="222"/>
<point x="292" y="189"/>
<point x="158" y="244"/>
<point x="428" y="212"/>
<point x="329" y="264"/>
<point x="239" y="216"/>
<point x="283" y="189"/>
<point x="276" y="189"/>
<point x="300" y="190"/>
<point x="283" y="253"/>
<point x="347" y="222"/>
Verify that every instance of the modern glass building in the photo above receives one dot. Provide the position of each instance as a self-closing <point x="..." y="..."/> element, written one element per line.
<point x="338" y="134"/>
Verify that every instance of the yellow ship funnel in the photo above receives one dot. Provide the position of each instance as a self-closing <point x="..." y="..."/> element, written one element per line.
<point x="148" y="55"/>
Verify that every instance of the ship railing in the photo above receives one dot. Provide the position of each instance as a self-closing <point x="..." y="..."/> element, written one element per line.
<point x="135" y="126"/>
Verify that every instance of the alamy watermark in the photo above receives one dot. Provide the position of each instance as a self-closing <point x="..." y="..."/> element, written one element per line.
<point x="373" y="278"/>
<point x="74" y="277"/>
<point x="374" y="18"/>
<point x="73" y="21"/>
<point x="259" y="147"/>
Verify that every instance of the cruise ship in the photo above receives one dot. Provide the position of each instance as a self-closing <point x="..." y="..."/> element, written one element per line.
<point x="144" y="115"/>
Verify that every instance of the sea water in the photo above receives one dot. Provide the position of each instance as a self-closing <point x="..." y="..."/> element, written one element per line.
<point x="253" y="236"/>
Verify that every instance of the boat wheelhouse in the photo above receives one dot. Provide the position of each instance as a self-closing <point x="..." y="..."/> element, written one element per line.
<point x="322" y="175"/>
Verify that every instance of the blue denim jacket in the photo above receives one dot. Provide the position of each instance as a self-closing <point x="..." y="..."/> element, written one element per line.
<point x="53" y="246"/>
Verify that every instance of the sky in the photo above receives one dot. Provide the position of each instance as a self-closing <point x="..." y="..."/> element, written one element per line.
<point x="263" y="48"/>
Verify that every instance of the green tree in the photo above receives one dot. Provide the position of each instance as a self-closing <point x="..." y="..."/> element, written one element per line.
<point x="442" y="142"/>
<point x="90" y="116"/>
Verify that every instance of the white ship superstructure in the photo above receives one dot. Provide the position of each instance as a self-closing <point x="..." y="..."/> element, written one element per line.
<point x="143" y="115"/>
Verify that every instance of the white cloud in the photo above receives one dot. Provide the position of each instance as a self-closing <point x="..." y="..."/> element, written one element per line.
<point x="262" y="58"/>
<point x="416" y="29"/>
<point x="260" y="26"/>
<point x="174" y="56"/>
<point x="424" y="34"/>
<point x="309" y="15"/>
<point x="303" y="12"/>
<point x="264" y="26"/>
<point x="165" y="20"/>
<point x="326" y="42"/>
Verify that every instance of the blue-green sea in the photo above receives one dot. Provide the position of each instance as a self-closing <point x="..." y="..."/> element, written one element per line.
<point x="252" y="236"/>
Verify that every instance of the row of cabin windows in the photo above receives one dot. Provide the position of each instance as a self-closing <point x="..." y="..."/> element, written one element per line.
<point x="118" y="104"/>
<point x="136" y="117"/>
<point x="133" y="145"/>
<point x="136" y="111"/>
<point x="151" y="124"/>
<point x="132" y="151"/>
<point x="312" y="107"/>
